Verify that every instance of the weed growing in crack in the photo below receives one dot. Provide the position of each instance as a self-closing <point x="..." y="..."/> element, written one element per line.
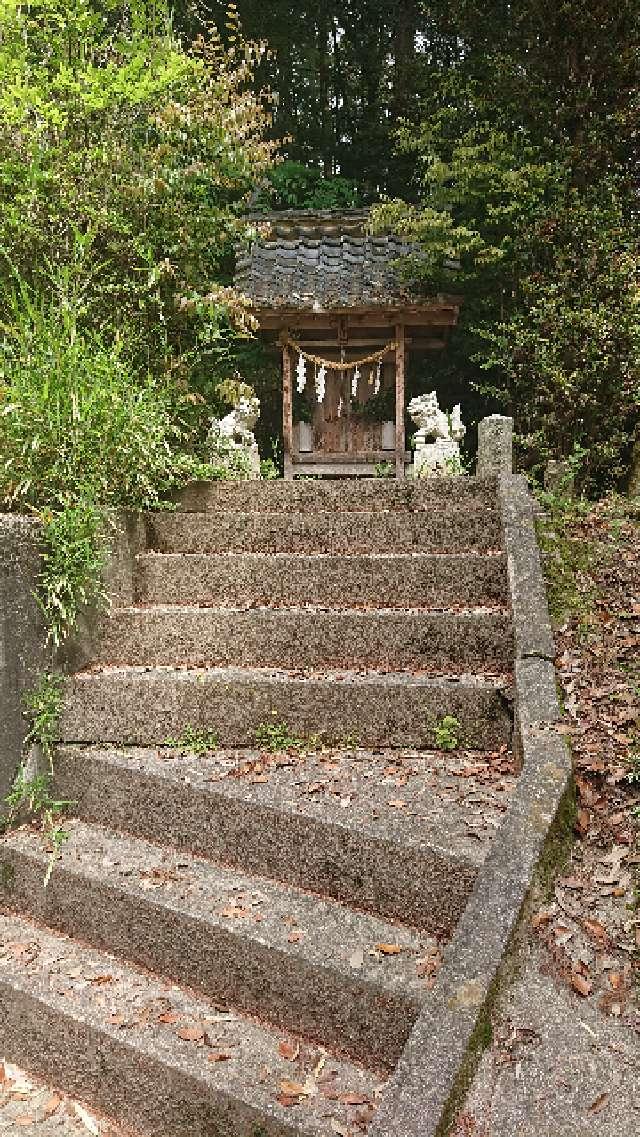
<point x="194" y="741"/>
<point x="446" y="733"/>
<point x="32" y="796"/>
<point x="276" y="736"/>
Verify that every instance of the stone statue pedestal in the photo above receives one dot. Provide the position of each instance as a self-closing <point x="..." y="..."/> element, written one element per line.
<point x="436" y="459"/>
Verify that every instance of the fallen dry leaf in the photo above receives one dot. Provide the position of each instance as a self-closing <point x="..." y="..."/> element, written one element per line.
<point x="191" y="1033"/>
<point x="50" y="1106"/>
<point x="289" y="1050"/>
<point x="599" y="1103"/>
<point x="389" y="949"/>
<point x="583" y="986"/>
<point x="293" y="1089"/>
<point x="354" y="1099"/>
<point x="220" y="1056"/>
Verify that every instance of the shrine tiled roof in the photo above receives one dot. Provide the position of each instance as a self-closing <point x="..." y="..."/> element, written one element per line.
<point x="322" y="260"/>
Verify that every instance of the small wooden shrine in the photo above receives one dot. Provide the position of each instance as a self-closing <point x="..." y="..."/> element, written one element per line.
<point x="330" y="297"/>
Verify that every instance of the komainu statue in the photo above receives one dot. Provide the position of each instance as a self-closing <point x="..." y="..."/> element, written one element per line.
<point x="231" y="440"/>
<point x="437" y="442"/>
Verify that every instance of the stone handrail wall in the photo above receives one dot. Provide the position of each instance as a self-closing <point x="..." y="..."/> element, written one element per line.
<point x="22" y="636"/>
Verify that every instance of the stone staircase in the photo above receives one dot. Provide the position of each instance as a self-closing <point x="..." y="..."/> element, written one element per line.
<point x="237" y="943"/>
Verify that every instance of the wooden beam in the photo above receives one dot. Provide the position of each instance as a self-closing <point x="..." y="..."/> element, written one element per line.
<point x="400" y="386"/>
<point x="287" y="413"/>
<point x="426" y="316"/>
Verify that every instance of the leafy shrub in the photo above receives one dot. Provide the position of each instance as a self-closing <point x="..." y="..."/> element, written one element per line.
<point x="292" y="185"/>
<point x="75" y="418"/>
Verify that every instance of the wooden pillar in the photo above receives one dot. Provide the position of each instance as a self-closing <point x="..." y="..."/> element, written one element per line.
<point x="400" y="398"/>
<point x="287" y="411"/>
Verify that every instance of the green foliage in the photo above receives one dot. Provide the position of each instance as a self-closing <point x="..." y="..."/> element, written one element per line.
<point x="568" y="559"/>
<point x="446" y="733"/>
<point x="269" y="472"/>
<point x="292" y="185"/>
<point x="73" y="558"/>
<point x="276" y="736"/>
<point x="383" y="470"/>
<point x="125" y="160"/>
<point x="32" y="795"/>
<point x="194" y="740"/>
<point x="42" y="708"/>
<point x="528" y="208"/>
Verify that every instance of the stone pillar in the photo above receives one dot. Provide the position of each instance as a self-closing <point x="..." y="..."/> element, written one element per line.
<point x="495" y="446"/>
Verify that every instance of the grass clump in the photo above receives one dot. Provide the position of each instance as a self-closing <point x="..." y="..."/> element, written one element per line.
<point x="276" y="736"/>
<point x="446" y="733"/>
<point x="31" y="795"/>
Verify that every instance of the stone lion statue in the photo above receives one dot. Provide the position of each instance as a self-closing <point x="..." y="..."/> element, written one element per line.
<point x="231" y="440"/>
<point x="437" y="442"/>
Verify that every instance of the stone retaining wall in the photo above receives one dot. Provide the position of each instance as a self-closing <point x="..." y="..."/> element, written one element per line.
<point x="22" y="636"/>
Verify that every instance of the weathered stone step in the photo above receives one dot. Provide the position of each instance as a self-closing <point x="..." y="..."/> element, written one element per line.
<point x="401" y="836"/>
<point x="273" y="951"/>
<point x="154" y="1056"/>
<point x="435" y="642"/>
<point x="389" y="580"/>
<point x="451" y="529"/>
<point x="340" y="494"/>
<point x="143" y="706"/>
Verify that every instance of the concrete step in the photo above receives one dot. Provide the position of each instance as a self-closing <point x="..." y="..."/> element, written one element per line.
<point x="340" y="494"/>
<point x="451" y="529"/>
<point x="400" y="835"/>
<point x="154" y="1056"/>
<point x="435" y="642"/>
<point x="388" y="580"/>
<point x="273" y="951"/>
<point x="146" y="706"/>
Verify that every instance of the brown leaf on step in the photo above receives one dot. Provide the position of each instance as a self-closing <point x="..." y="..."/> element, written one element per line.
<point x="540" y="919"/>
<point x="354" y="1099"/>
<point x="583" y="986"/>
<point x="364" y="1117"/>
<point x="599" y="1103"/>
<point x="3" y="1074"/>
<point x="25" y="1119"/>
<point x="295" y="937"/>
<point x="220" y="1056"/>
<point x="99" y="980"/>
<point x="289" y="1050"/>
<point x="389" y="949"/>
<point x="169" y="1017"/>
<point x="287" y="1099"/>
<point x="191" y="1033"/>
<point x="596" y="930"/>
<point x="292" y="1089"/>
<point x="50" y="1106"/>
<point x="582" y="822"/>
<point x="234" y="913"/>
<point x="616" y="979"/>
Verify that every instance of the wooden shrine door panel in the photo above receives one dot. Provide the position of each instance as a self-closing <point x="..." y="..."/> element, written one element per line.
<point x="336" y="430"/>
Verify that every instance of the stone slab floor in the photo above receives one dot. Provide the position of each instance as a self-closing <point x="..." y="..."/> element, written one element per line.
<point x="556" y="1066"/>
